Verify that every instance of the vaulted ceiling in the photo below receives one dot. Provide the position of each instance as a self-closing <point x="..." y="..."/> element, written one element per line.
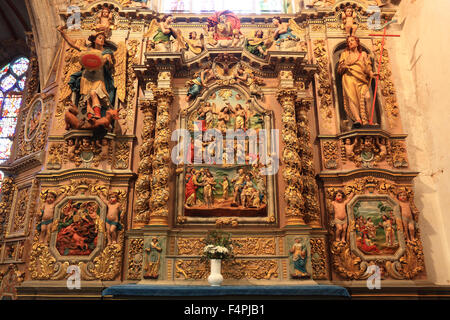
<point x="14" y="22"/>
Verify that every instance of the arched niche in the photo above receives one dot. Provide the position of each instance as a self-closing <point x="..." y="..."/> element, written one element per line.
<point x="346" y="123"/>
<point x="258" y="206"/>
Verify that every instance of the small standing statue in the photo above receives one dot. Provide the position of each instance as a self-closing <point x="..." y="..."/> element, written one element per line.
<point x="407" y="216"/>
<point x="340" y="214"/>
<point x="355" y="67"/>
<point x="154" y="259"/>
<point x="299" y="257"/>
<point x="112" y="221"/>
<point x="349" y="23"/>
<point x="46" y="214"/>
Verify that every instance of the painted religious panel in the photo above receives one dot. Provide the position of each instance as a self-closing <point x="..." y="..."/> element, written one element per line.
<point x="225" y="167"/>
<point x="78" y="229"/>
<point x="231" y="191"/>
<point x="375" y="227"/>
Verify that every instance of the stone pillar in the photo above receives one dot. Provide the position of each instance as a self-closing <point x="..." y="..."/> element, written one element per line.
<point x="310" y="190"/>
<point x="291" y="160"/>
<point x="159" y="210"/>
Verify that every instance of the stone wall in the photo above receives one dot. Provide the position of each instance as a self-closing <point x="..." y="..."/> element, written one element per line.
<point x="420" y="69"/>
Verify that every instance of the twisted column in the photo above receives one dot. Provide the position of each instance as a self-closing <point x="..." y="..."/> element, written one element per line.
<point x="159" y="209"/>
<point x="291" y="160"/>
<point x="143" y="188"/>
<point x="310" y="190"/>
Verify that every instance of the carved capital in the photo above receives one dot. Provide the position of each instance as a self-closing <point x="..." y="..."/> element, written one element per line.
<point x="286" y="96"/>
<point x="147" y="105"/>
<point x="163" y="96"/>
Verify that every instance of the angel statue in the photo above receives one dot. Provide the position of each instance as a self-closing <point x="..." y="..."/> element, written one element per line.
<point x="259" y="44"/>
<point x="196" y="85"/>
<point x="94" y="85"/>
<point x="225" y="27"/>
<point x="286" y="36"/>
<point x="193" y="46"/>
<point x="161" y="33"/>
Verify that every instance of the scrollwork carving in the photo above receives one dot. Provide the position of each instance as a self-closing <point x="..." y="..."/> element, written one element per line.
<point x="135" y="259"/>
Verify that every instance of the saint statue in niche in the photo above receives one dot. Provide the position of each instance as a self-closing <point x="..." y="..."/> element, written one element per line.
<point x="355" y="67"/>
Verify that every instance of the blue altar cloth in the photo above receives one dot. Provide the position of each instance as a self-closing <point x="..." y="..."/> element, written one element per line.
<point x="203" y="291"/>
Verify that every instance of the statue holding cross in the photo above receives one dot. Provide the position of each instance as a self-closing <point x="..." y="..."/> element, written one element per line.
<point x="355" y="67"/>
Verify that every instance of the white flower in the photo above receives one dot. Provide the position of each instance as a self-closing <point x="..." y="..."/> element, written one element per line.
<point x="221" y="249"/>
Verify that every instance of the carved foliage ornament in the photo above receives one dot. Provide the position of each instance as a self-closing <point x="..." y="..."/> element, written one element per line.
<point x="238" y="269"/>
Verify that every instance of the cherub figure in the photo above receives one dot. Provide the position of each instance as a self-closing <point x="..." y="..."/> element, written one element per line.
<point x="104" y="147"/>
<point x="253" y="82"/>
<point x="340" y="214"/>
<point x="104" y="21"/>
<point x="46" y="214"/>
<point x="72" y="145"/>
<point x="112" y="221"/>
<point x="349" y="148"/>
<point x="238" y="39"/>
<point x="349" y="21"/>
<point x="381" y="143"/>
<point x="86" y="146"/>
<point x="407" y="216"/>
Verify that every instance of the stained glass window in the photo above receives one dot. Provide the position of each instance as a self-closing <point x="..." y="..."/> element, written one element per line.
<point x="12" y="83"/>
<point x="237" y="6"/>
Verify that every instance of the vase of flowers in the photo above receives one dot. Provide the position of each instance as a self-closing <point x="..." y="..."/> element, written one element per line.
<point x="218" y="247"/>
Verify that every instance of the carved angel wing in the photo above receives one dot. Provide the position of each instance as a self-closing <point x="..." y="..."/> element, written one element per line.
<point x="72" y="65"/>
<point x="154" y="25"/>
<point x="120" y="71"/>
<point x="296" y="30"/>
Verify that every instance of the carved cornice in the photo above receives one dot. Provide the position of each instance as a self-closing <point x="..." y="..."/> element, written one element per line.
<point x="340" y="177"/>
<point x="25" y="163"/>
<point x="84" y="173"/>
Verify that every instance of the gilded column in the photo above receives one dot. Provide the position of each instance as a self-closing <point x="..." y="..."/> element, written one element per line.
<point x="159" y="210"/>
<point x="310" y="189"/>
<point x="291" y="160"/>
<point x="143" y="190"/>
